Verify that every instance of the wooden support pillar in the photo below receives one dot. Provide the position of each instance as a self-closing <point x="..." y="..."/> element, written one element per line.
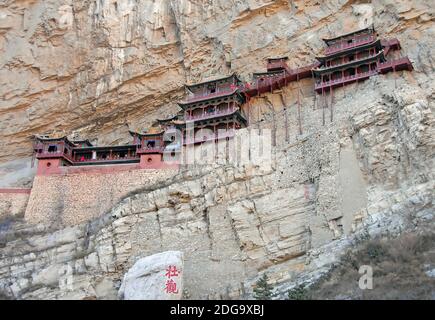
<point x="285" y="117"/>
<point x="331" y="102"/>
<point x="299" y="106"/>
<point x="273" y="126"/>
<point x="249" y="109"/>
<point x="323" y="106"/>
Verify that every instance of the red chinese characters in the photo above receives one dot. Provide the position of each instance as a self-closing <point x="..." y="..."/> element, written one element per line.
<point x="171" y="285"/>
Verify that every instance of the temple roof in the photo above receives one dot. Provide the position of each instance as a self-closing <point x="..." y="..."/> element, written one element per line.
<point x="53" y="137"/>
<point x="328" y="40"/>
<point x="171" y="118"/>
<point x="211" y="80"/>
<point x="82" y="141"/>
<point x="155" y="132"/>
<point x="376" y="43"/>
<point x="380" y="54"/>
<point x="183" y="104"/>
<point x="274" y="72"/>
<point x="59" y="137"/>
<point x="277" y="58"/>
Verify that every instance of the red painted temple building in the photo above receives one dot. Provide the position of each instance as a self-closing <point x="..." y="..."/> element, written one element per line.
<point x="355" y="57"/>
<point x="213" y="111"/>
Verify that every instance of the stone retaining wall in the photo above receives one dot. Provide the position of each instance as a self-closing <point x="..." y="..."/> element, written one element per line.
<point x="74" y="198"/>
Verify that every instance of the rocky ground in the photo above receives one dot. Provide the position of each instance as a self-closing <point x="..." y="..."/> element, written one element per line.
<point x="403" y="268"/>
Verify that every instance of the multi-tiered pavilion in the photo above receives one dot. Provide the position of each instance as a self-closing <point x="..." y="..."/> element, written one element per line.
<point x="354" y="57"/>
<point x="212" y="110"/>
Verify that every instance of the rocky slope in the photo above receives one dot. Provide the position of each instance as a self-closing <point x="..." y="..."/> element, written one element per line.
<point x="95" y="67"/>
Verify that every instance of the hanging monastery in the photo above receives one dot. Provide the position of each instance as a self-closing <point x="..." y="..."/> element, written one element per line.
<point x="215" y="109"/>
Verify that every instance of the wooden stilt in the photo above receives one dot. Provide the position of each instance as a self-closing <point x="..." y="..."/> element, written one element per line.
<point x="285" y="116"/>
<point x="331" y="102"/>
<point x="323" y="106"/>
<point x="273" y="126"/>
<point x="299" y="107"/>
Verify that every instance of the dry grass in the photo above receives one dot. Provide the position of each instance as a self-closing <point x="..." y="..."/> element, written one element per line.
<point x="399" y="267"/>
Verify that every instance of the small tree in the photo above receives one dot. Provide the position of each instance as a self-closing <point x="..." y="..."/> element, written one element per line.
<point x="298" y="293"/>
<point x="263" y="290"/>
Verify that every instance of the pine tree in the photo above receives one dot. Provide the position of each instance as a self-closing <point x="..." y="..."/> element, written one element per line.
<point x="263" y="290"/>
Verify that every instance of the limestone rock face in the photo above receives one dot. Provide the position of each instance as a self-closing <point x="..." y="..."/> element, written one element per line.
<point x="97" y="67"/>
<point x="156" y="277"/>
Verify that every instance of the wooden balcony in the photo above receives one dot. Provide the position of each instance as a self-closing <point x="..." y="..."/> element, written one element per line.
<point x="356" y="42"/>
<point x="275" y="82"/>
<point x="108" y="160"/>
<point x="390" y="44"/>
<point x="78" y="160"/>
<point x="213" y="137"/>
<point x="220" y="92"/>
<point x="345" y="80"/>
<point x="150" y="150"/>
<point x="347" y="63"/>
<point x="277" y="65"/>
<point x="54" y="155"/>
<point x="396" y="65"/>
<point x="218" y="113"/>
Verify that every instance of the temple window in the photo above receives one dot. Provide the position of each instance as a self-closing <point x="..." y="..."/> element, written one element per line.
<point x="151" y="144"/>
<point x="211" y="88"/>
<point x="52" y="148"/>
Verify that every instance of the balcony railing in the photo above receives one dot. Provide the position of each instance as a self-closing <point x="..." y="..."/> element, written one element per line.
<point x="305" y="69"/>
<point x="277" y="65"/>
<point x="156" y="149"/>
<point x="348" y="62"/>
<point x="207" y="95"/>
<point x="54" y="154"/>
<point x="108" y="159"/>
<point x="394" y="42"/>
<point x="356" y="42"/>
<point x="60" y="154"/>
<point x="209" y="115"/>
<point x="345" y="79"/>
<point x="229" y="134"/>
<point x="401" y="63"/>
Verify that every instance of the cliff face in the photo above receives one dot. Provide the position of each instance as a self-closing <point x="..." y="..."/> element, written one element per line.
<point x="367" y="173"/>
<point x="96" y="67"/>
<point x="363" y="165"/>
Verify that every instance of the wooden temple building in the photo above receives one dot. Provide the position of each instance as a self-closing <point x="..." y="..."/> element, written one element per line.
<point x="213" y="111"/>
<point x="353" y="57"/>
